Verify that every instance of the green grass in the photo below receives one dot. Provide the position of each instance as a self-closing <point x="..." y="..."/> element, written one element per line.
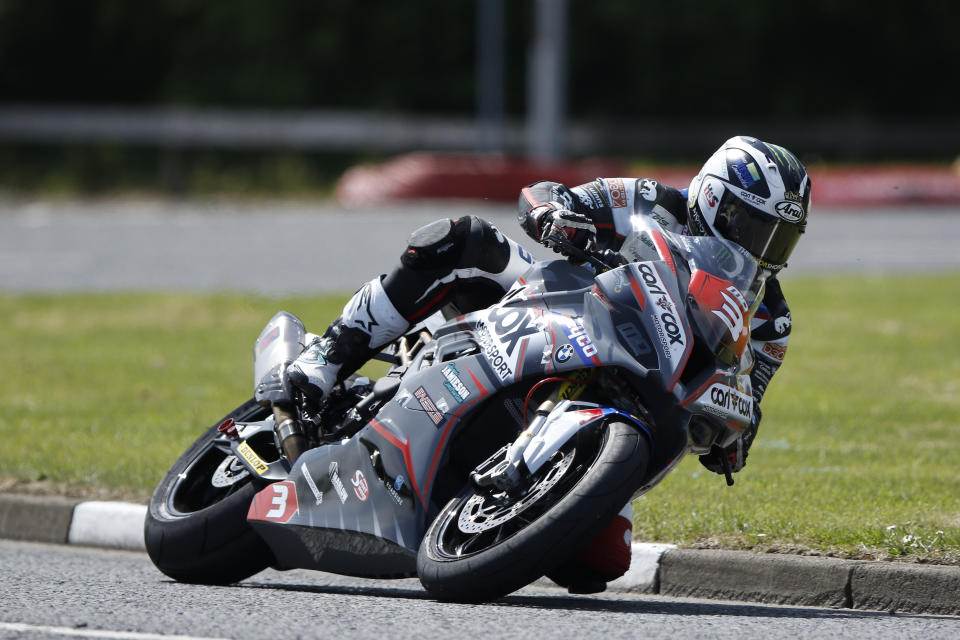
<point x="857" y="454"/>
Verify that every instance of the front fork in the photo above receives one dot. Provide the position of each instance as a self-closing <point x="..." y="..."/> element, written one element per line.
<point x="290" y="433"/>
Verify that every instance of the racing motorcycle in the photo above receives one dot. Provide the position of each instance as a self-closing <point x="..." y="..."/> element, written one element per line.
<point x="497" y="444"/>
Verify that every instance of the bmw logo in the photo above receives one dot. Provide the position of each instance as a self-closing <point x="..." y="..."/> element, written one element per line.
<point x="564" y="353"/>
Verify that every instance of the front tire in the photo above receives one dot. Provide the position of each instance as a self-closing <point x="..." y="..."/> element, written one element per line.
<point x="484" y="545"/>
<point x="196" y="527"/>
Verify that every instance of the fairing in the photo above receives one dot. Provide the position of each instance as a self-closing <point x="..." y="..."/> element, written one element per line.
<point x="361" y="506"/>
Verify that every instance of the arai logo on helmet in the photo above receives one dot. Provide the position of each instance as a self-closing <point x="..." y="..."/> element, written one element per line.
<point x="789" y="211"/>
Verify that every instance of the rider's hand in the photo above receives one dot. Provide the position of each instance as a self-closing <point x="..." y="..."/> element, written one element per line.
<point x="736" y="455"/>
<point x="556" y="223"/>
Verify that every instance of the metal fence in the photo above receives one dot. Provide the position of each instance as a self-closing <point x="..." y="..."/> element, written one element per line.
<point x="320" y="130"/>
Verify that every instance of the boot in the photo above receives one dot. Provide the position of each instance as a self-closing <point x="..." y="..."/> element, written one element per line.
<point x="368" y="321"/>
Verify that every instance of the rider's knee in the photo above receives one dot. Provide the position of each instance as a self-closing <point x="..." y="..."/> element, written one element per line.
<point x="468" y="242"/>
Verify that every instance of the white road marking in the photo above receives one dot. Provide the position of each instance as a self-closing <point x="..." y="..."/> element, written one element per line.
<point x="93" y="633"/>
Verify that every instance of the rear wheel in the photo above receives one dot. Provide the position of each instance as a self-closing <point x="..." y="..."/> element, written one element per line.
<point x="485" y="543"/>
<point x="196" y="527"/>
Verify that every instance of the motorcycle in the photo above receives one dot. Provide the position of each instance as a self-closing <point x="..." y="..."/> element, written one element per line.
<point x="497" y="444"/>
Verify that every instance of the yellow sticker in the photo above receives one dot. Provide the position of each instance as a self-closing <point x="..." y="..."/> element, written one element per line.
<point x="248" y="454"/>
<point x="570" y="391"/>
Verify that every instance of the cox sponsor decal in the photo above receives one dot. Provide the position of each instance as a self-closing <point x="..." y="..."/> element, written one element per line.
<point x="490" y="349"/>
<point x="731" y="400"/>
<point x="670" y="330"/>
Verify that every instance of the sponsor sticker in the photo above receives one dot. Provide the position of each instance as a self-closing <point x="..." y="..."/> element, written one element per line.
<point x="789" y="211"/>
<point x="334" y="472"/>
<point x="360" y="486"/>
<point x="709" y="195"/>
<point x="581" y="342"/>
<point x="747" y="173"/>
<point x="454" y="384"/>
<point x="775" y="350"/>
<point x="436" y="416"/>
<point x="491" y="351"/>
<point x="618" y="194"/>
<point x="392" y="492"/>
<point x="648" y="189"/>
<point x="252" y="458"/>
<point x="729" y="400"/>
<point x="670" y="332"/>
<point x="317" y="494"/>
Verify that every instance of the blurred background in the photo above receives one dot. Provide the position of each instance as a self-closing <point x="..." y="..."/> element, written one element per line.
<point x="239" y="97"/>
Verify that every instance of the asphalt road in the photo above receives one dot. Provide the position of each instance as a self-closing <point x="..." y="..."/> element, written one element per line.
<point x="282" y="248"/>
<point x="60" y="591"/>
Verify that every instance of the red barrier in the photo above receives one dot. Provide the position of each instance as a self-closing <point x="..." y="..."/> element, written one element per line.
<point x="499" y="178"/>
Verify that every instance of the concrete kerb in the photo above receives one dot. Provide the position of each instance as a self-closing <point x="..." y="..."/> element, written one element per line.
<point x="655" y="569"/>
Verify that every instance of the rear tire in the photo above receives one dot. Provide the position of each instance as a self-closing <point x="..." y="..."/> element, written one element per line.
<point x="198" y="533"/>
<point x="517" y="545"/>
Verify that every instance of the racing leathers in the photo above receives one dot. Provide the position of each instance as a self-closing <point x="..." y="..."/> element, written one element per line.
<point x="610" y="203"/>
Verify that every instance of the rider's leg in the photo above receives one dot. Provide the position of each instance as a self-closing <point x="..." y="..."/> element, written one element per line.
<point x="466" y="261"/>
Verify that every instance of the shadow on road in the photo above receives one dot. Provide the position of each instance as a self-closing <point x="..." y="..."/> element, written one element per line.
<point x="623" y="603"/>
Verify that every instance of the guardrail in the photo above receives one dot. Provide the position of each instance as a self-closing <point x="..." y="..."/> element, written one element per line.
<point x="319" y="130"/>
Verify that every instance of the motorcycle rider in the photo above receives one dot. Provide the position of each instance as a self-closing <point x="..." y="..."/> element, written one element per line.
<point x="750" y="192"/>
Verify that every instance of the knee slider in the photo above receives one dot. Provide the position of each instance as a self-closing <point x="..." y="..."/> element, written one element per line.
<point x="432" y="247"/>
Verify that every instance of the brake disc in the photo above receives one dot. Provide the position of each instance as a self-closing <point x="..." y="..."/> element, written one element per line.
<point x="483" y="512"/>
<point x="230" y="472"/>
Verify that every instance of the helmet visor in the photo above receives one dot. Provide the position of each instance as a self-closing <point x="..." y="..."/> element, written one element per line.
<point x="770" y="239"/>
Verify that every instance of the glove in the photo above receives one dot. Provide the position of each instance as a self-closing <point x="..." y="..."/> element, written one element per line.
<point x="554" y="222"/>
<point x="735" y="453"/>
<point x="275" y="387"/>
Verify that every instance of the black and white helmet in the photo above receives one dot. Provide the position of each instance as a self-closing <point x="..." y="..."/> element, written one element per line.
<point x="755" y="194"/>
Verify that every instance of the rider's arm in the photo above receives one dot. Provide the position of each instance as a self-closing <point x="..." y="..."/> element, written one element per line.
<point x="769" y="336"/>
<point x="608" y="202"/>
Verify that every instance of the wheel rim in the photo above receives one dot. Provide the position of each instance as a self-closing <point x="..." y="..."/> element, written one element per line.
<point x="213" y="475"/>
<point x="480" y="520"/>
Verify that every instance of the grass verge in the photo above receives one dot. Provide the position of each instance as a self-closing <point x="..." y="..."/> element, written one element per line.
<point x="856" y="455"/>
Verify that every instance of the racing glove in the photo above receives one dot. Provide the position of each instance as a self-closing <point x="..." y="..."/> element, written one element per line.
<point x="551" y="221"/>
<point x="735" y="453"/>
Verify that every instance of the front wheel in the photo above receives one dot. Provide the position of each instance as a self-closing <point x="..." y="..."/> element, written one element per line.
<point x="486" y="544"/>
<point x="196" y="527"/>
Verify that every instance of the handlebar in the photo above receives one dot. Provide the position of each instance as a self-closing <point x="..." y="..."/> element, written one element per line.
<point x="601" y="260"/>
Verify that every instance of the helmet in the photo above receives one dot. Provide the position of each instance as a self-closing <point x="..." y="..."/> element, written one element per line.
<point x="755" y="194"/>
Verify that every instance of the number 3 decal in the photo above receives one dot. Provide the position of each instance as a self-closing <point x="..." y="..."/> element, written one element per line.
<point x="279" y="502"/>
<point x="276" y="503"/>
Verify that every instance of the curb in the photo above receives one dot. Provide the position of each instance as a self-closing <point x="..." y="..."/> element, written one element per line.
<point x="661" y="569"/>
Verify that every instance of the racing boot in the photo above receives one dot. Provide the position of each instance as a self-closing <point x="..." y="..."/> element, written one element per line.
<point x="604" y="558"/>
<point x="368" y="321"/>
